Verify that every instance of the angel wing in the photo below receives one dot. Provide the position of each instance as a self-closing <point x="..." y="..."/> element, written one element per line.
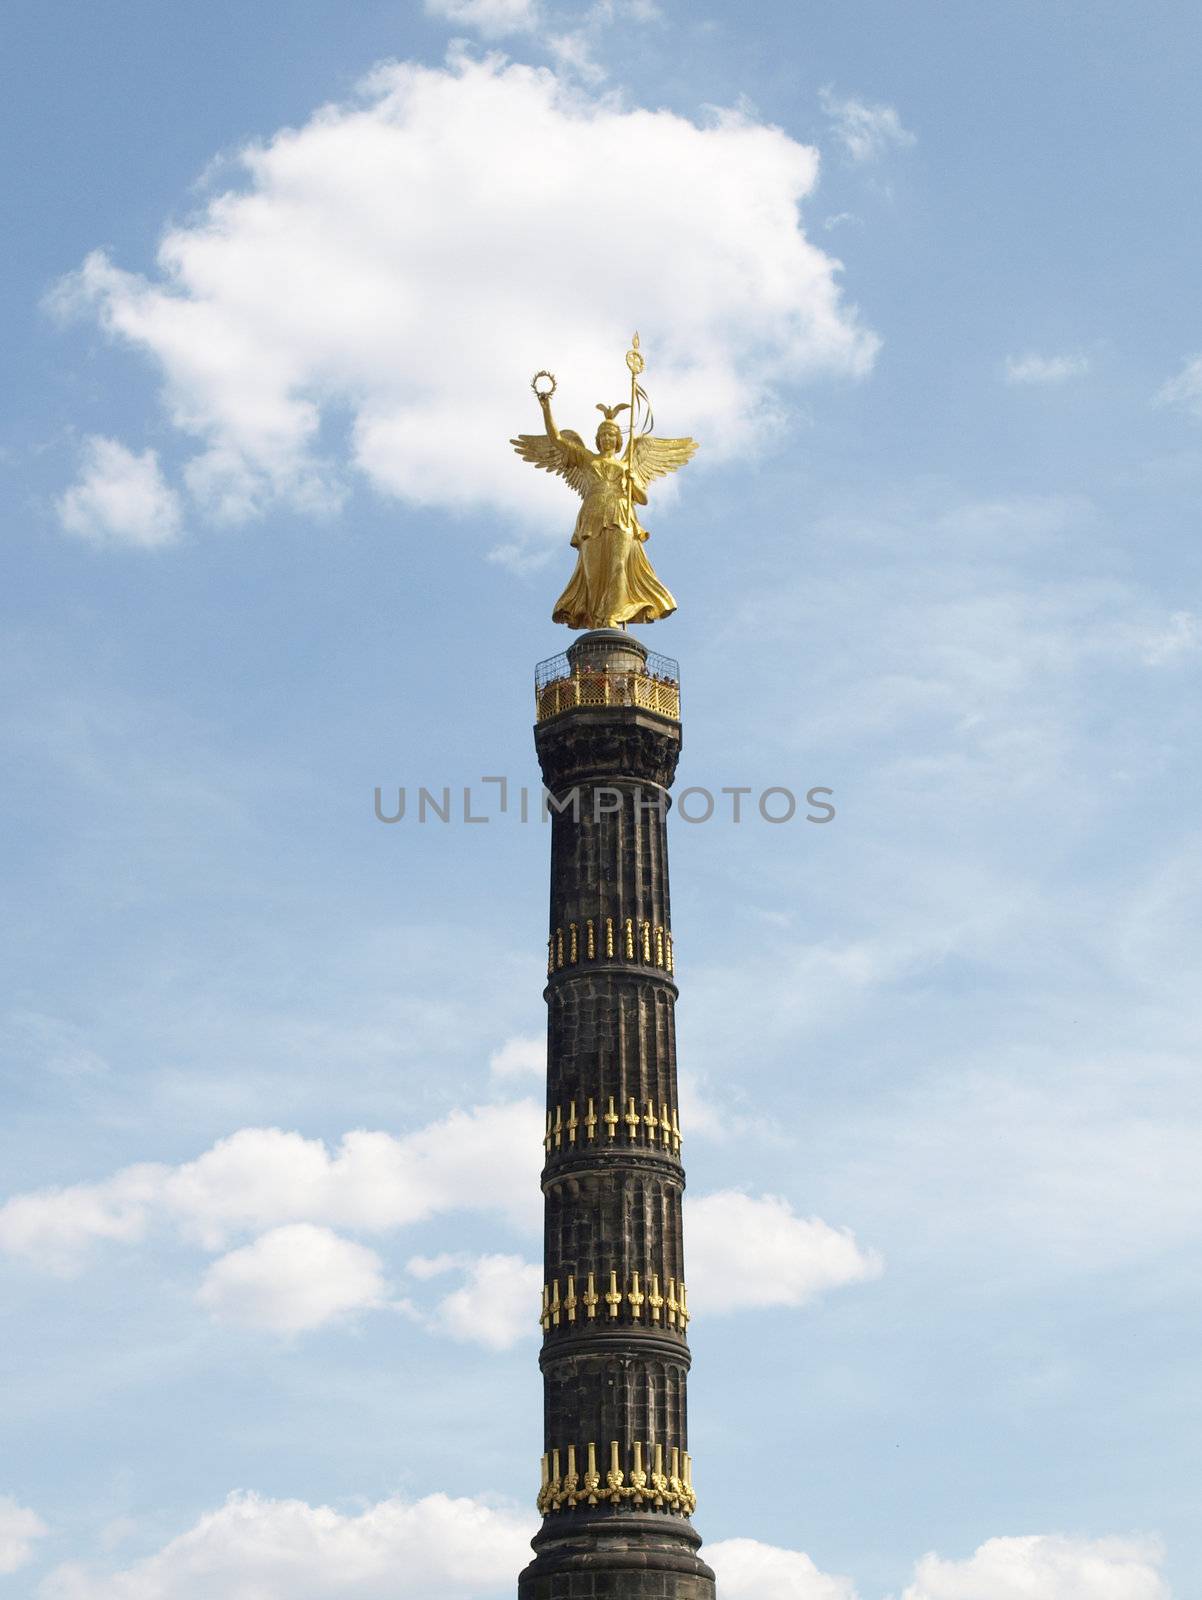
<point x="568" y="455"/>
<point x="655" y="458"/>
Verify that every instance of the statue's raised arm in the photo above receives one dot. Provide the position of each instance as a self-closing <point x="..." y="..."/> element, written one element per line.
<point x="564" y="453"/>
<point x="613" y="583"/>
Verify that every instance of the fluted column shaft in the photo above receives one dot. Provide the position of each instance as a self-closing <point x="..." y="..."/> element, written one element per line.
<point x="616" y="1491"/>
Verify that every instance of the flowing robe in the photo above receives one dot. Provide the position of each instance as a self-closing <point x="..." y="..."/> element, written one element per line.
<point x="613" y="582"/>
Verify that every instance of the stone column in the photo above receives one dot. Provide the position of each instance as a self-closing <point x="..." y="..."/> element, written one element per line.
<point x="617" y="1484"/>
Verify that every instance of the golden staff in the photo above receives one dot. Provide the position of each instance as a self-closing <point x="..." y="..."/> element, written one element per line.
<point x="636" y="364"/>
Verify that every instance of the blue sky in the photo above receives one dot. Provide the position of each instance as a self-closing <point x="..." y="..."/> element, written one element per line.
<point x="922" y="281"/>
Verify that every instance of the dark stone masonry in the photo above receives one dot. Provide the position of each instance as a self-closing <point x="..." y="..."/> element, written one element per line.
<point x="617" y="1483"/>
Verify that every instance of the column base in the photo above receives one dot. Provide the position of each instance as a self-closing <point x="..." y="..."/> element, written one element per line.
<point x="628" y="1558"/>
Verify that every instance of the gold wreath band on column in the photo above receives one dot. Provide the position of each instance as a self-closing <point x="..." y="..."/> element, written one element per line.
<point x="580" y="1125"/>
<point x="650" y="1476"/>
<point x="646" y="944"/>
<point x="649" y="1299"/>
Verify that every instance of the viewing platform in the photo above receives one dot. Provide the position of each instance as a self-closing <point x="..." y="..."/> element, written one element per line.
<point x="561" y="685"/>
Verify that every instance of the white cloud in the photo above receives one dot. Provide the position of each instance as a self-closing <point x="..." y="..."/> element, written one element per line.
<point x="575" y="50"/>
<point x="1165" y="641"/>
<point x="699" y="1115"/>
<point x="524" y="1056"/>
<point x="744" y="1252"/>
<point x="749" y="1570"/>
<point x="1034" y="1165"/>
<point x="289" y="1193"/>
<point x="1185" y="390"/>
<point x="251" y="1548"/>
<point x="1044" y="1567"/>
<point x="970" y="667"/>
<point x="491" y="18"/>
<point x="570" y="37"/>
<point x="486" y="1158"/>
<point x="413" y="255"/>
<point x="53" y="1227"/>
<point x="118" y="1531"/>
<point x="574" y="53"/>
<point x="292" y="1279"/>
<point x="19" y="1527"/>
<point x="465" y="1549"/>
<point x="122" y="498"/>
<point x="865" y="131"/>
<point x="497" y="1305"/>
<point x="44" y="1043"/>
<point x="1037" y="369"/>
<point x="424" y="1267"/>
<point x="1035" y="1567"/>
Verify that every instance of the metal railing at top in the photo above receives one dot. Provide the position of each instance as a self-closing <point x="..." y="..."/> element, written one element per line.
<point x="655" y="688"/>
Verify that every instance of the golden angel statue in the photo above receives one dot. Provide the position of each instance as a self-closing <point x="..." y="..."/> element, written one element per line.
<point x="614" y="583"/>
